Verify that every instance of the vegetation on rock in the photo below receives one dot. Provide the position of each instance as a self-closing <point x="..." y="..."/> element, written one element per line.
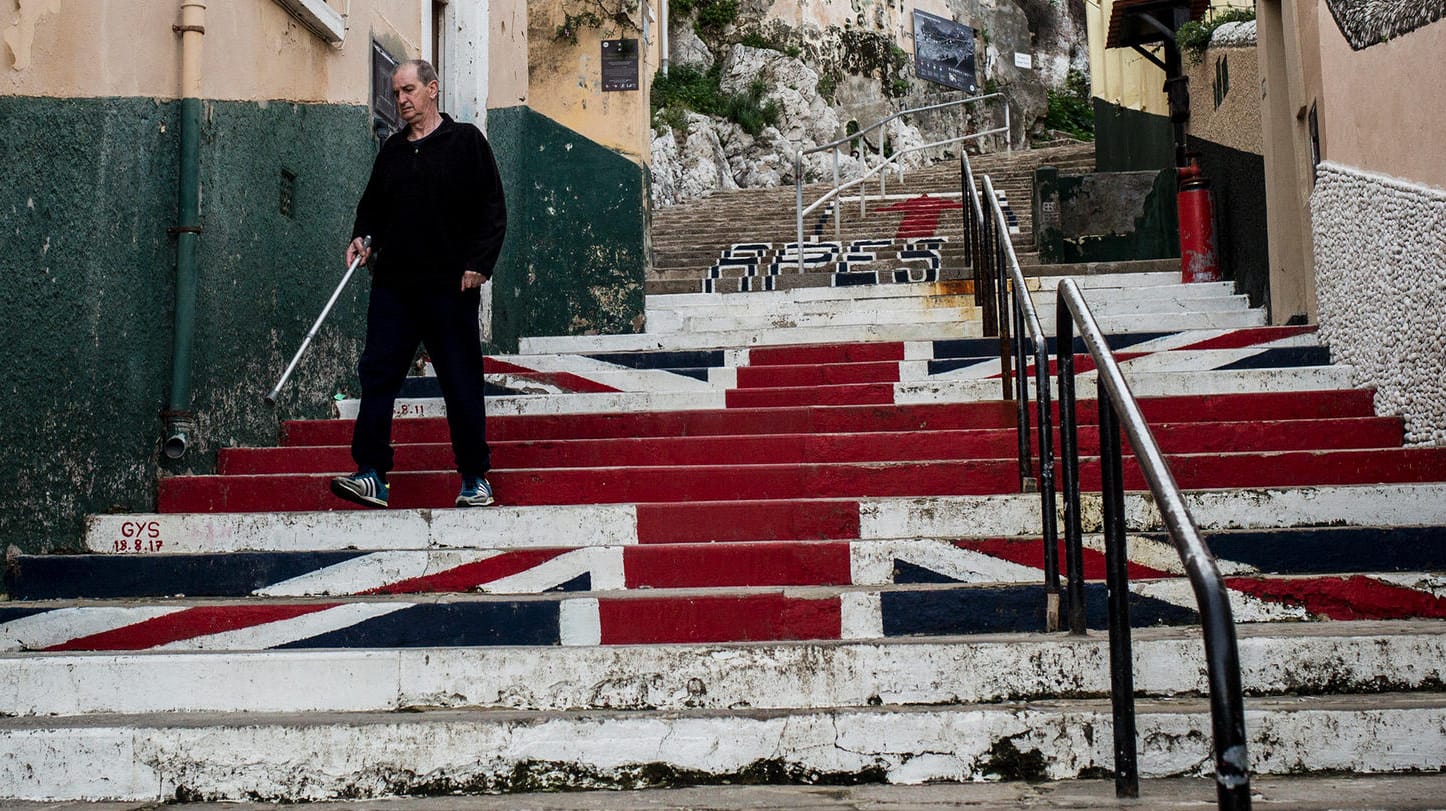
<point x="688" y="88"/>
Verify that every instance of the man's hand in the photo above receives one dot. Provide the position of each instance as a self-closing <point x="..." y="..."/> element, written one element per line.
<point x="355" y="249"/>
<point x="472" y="280"/>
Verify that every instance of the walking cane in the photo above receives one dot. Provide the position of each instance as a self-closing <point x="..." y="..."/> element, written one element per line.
<point x="271" y="397"/>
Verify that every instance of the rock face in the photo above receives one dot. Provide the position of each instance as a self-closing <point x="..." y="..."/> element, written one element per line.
<point x="829" y="80"/>
<point x="692" y="169"/>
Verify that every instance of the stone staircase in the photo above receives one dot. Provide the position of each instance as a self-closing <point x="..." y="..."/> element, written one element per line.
<point x="775" y="539"/>
<point x="913" y="235"/>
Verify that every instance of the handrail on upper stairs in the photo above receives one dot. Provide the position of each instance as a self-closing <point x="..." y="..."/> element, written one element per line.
<point x="885" y="162"/>
<point x="997" y="271"/>
<point x="1117" y="405"/>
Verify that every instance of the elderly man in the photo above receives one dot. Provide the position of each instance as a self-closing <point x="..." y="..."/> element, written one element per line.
<point x="435" y="211"/>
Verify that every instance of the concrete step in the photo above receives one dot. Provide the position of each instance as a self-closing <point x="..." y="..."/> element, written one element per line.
<point x="589" y="344"/>
<point x="1296" y="658"/>
<point x="750" y="482"/>
<point x="313" y="757"/>
<point x="749" y="564"/>
<point x="808" y="519"/>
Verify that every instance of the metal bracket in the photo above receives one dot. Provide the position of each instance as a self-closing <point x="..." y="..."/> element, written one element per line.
<point x="187" y="29"/>
<point x="183" y="229"/>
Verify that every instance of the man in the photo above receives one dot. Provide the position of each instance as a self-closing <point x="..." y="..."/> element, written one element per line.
<point x="436" y="215"/>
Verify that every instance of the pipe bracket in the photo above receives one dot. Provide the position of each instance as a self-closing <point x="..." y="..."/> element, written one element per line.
<point x="186" y="29"/>
<point x="176" y="230"/>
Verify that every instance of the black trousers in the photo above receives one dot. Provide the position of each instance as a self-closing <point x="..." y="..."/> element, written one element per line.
<point x="445" y="322"/>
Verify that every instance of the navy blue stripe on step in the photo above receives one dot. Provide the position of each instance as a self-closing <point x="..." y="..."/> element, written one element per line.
<point x="233" y="574"/>
<point x="710" y="358"/>
<point x="1006" y="609"/>
<point x="1284" y="357"/>
<point x="1333" y="550"/>
<point x="533" y="622"/>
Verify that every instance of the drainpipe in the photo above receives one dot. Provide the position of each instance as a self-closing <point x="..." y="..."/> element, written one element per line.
<point x="180" y="424"/>
<point x="663" y="37"/>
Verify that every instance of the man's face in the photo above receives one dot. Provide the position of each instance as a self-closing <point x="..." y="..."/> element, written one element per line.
<point x="414" y="99"/>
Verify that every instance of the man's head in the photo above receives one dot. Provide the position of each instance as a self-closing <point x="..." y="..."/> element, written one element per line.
<point x="415" y="88"/>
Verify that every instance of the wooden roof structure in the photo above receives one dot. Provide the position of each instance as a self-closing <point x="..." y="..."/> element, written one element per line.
<point x="1128" y="26"/>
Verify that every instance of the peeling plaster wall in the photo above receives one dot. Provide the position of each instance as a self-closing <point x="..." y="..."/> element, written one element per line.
<point x="87" y="289"/>
<point x="1380" y="253"/>
<point x="574" y="260"/>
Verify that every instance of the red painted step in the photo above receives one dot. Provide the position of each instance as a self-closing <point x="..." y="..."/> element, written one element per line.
<point x="813" y="354"/>
<point x="816" y="374"/>
<point x="293" y="492"/>
<point x="845" y="419"/>
<point x="814" y="420"/>
<point x="1362" y="432"/>
<point x="709" y="521"/>
<point x="727" y="618"/>
<point x="858" y="394"/>
<point x="721" y="565"/>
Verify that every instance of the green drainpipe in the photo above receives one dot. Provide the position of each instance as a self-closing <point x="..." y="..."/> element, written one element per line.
<point x="180" y="421"/>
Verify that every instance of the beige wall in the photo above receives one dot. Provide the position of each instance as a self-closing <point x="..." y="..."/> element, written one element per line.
<point x="1236" y="122"/>
<point x="507" y="54"/>
<point x="1121" y="75"/>
<point x="1383" y="109"/>
<point x="253" y="49"/>
<point x="565" y="83"/>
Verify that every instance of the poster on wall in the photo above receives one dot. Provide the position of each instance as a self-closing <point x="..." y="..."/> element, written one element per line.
<point x="944" y="52"/>
<point x="619" y="64"/>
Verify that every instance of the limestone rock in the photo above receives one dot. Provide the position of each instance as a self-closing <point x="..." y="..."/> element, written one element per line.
<point x="685" y="48"/>
<point x="804" y="115"/>
<point x="693" y="169"/>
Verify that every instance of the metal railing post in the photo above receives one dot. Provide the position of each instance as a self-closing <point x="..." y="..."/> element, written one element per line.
<point x="798" y="187"/>
<point x="1069" y="468"/>
<point x="1122" y="674"/>
<point x="837" y="209"/>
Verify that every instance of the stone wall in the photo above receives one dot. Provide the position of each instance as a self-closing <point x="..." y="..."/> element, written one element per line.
<point x="1380" y="255"/>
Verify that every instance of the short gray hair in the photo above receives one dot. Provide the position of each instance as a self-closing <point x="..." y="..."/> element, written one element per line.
<point x="426" y="74"/>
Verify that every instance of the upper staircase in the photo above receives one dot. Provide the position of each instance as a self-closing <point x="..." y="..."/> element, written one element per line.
<point x="777" y="538"/>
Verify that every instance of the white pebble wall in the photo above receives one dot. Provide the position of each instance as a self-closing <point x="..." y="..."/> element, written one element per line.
<point x="1380" y="256"/>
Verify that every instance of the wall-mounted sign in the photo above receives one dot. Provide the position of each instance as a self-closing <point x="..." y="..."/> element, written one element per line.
<point x="944" y="52"/>
<point x="1023" y="60"/>
<point x="619" y="64"/>
<point x="385" y="120"/>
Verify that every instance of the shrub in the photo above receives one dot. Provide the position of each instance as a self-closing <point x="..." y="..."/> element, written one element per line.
<point x="688" y="88"/>
<point x="1071" y="110"/>
<point x="1194" y="37"/>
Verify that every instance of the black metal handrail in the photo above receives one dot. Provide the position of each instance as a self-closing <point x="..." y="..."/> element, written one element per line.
<point x="1222" y="659"/>
<point x="996" y="269"/>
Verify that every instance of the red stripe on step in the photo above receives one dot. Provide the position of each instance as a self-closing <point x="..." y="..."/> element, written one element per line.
<point x="1344" y="598"/>
<point x="1031" y="553"/>
<point x="1241" y="338"/>
<point x="866" y="394"/>
<point x="472" y="575"/>
<point x="737" y="564"/>
<point x="817" y="374"/>
<point x="750" y="618"/>
<point x="566" y="381"/>
<point x="824" y="353"/>
<point x="188" y="624"/>
<point x="752" y="521"/>
<point x="715" y="422"/>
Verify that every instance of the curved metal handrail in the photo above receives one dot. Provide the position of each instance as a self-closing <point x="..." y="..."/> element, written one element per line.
<point x="877" y="169"/>
<point x="1012" y="291"/>
<point x="1222" y="658"/>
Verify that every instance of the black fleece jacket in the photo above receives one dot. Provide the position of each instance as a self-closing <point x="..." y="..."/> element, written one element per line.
<point x="434" y="208"/>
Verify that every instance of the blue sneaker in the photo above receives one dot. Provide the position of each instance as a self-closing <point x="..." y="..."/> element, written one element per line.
<point x="365" y="487"/>
<point x="476" y="492"/>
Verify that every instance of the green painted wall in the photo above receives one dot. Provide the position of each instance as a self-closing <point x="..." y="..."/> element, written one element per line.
<point x="1105" y="216"/>
<point x="575" y="258"/>
<point x="87" y="278"/>
<point x="1128" y="140"/>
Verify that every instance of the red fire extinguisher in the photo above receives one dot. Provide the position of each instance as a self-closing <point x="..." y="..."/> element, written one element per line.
<point x="1199" y="258"/>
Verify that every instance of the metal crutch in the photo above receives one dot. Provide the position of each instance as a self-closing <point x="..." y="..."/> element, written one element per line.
<point x="291" y="367"/>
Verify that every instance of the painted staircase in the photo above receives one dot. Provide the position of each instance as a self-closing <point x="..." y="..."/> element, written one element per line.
<point x="777" y="538"/>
